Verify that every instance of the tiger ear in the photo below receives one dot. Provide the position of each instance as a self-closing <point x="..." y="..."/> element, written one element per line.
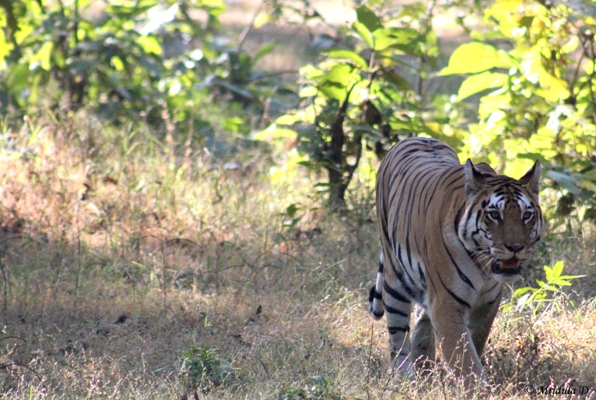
<point x="532" y="177"/>
<point x="475" y="179"/>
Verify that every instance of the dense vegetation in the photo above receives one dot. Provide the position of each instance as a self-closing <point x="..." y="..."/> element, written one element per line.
<point x="184" y="214"/>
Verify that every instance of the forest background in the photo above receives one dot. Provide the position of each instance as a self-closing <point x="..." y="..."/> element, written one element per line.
<point x="188" y="189"/>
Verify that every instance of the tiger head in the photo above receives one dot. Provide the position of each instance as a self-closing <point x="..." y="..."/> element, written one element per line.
<point x="502" y="219"/>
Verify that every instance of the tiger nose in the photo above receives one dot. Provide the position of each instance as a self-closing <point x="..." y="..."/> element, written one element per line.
<point x="514" y="247"/>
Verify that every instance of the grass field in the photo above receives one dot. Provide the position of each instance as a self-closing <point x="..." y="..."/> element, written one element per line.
<point x="136" y="270"/>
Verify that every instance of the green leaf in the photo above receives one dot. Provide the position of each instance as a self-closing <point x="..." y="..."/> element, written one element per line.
<point x="275" y="132"/>
<point x="396" y="79"/>
<point x="567" y="182"/>
<point x="365" y="16"/>
<point x="18" y="79"/>
<point x="291" y="210"/>
<point x="265" y="49"/>
<point x="333" y="90"/>
<point x="333" y="84"/>
<point x="130" y="11"/>
<point x="476" y="57"/>
<point x="349" y="55"/>
<point x="5" y="45"/>
<point x="557" y="269"/>
<point x="44" y="55"/>
<point x="233" y="124"/>
<point x="549" y="273"/>
<point x="523" y="290"/>
<point x="479" y="82"/>
<point x="396" y="38"/>
<point x="552" y="88"/>
<point x="149" y="44"/>
<point x="364" y="33"/>
<point x="561" y="282"/>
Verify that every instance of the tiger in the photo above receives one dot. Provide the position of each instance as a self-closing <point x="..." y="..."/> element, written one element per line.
<point x="451" y="236"/>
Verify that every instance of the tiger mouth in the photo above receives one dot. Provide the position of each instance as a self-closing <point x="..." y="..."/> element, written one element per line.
<point x="507" y="267"/>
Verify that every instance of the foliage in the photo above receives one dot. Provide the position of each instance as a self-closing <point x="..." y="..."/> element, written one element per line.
<point x="535" y="298"/>
<point x="360" y="97"/>
<point x="533" y="71"/>
<point x="203" y="368"/>
<point x="152" y="59"/>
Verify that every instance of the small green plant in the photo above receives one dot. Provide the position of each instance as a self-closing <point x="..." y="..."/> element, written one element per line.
<point x="290" y="217"/>
<point x="534" y="298"/>
<point x="203" y="368"/>
<point x="319" y="390"/>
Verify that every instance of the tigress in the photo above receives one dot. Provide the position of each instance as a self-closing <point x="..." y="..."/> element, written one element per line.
<point x="451" y="235"/>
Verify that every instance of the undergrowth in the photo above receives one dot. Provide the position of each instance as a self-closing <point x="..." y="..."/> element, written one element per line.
<point x="130" y="268"/>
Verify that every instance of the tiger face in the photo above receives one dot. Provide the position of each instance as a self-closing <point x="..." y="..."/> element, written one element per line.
<point x="502" y="221"/>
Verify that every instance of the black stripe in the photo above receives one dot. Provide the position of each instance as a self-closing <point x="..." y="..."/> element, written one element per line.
<point x="459" y="271"/>
<point x="456" y="297"/>
<point x="392" y="310"/>
<point x="394" y="293"/>
<point x="422" y="277"/>
<point x="496" y="298"/>
<point x="373" y="294"/>
<point x="491" y="288"/>
<point x="394" y="329"/>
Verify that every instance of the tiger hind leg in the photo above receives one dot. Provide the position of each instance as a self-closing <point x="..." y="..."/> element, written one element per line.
<point x="423" y="341"/>
<point x="375" y="297"/>
<point x="389" y="301"/>
<point x="397" y="310"/>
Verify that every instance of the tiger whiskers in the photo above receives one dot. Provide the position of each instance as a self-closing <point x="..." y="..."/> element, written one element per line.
<point x="484" y="259"/>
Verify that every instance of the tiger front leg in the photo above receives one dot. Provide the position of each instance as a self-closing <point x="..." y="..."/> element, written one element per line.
<point x="481" y="321"/>
<point x="423" y="341"/>
<point x="457" y="346"/>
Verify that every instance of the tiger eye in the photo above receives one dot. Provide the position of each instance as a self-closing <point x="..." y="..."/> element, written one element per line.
<point x="494" y="215"/>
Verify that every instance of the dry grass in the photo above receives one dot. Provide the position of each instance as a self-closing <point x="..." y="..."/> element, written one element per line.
<point x="120" y="257"/>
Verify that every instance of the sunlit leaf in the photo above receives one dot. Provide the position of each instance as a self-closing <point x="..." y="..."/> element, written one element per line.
<point x="117" y="63"/>
<point x="552" y="88"/>
<point x="334" y="83"/>
<point x="308" y="91"/>
<point x="44" y="55"/>
<point x="262" y="19"/>
<point x="364" y="33"/>
<point x="355" y="58"/>
<point x="149" y="44"/>
<point x="479" y="82"/>
<point x="157" y="17"/>
<point x="476" y="57"/>
<point x="5" y="47"/>
<point x="175" y="87"/>
<point x="132" y="10"/>
<point x="395" y="37"/>
<point x="549" y="272"/>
